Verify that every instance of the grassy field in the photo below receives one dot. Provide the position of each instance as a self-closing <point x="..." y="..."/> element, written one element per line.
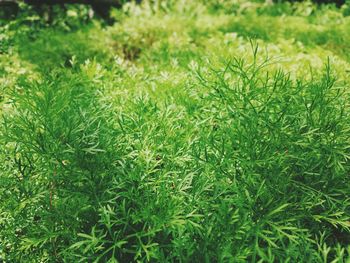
<point x="188" y="131"/>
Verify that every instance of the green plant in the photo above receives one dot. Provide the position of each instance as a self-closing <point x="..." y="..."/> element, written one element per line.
<point x="56" y="139"/>
<point x="171" y="137"/>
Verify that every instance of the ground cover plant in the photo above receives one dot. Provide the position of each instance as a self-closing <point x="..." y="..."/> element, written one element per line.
<point x="187" y="131"/>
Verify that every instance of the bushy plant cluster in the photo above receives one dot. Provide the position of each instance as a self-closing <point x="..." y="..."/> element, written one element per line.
<point x="173" y="137"/>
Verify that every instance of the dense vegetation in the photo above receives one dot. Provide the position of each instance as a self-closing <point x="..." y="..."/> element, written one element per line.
<point x="189" y="131"/>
